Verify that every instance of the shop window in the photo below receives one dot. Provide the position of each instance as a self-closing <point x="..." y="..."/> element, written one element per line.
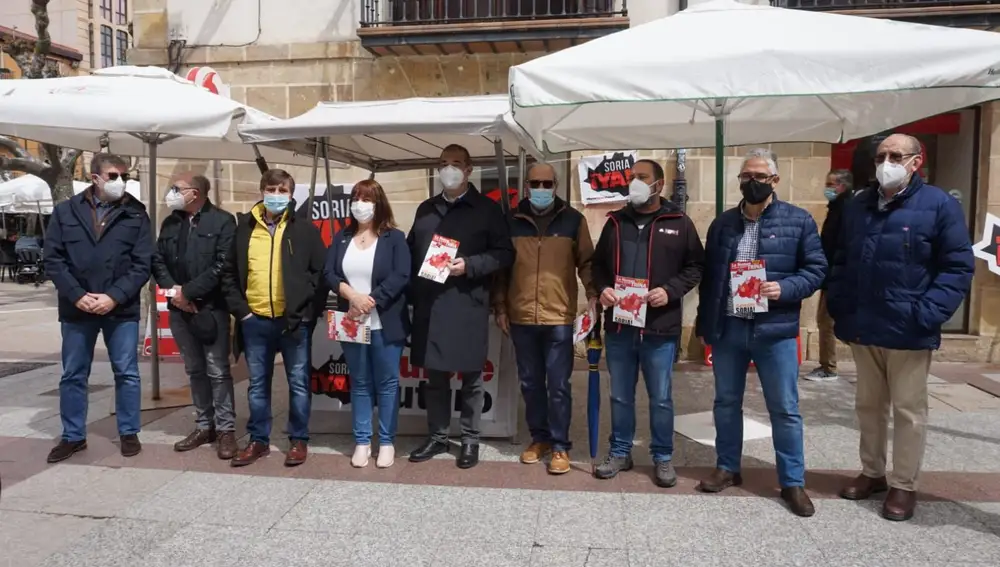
<point x="121" y="38"/>
<point x="106" y="10"/>
<point x="121" y="14"/>
<point x="107" y="47"/>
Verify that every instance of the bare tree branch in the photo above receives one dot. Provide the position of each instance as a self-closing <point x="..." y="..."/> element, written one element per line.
<point x="40" y="9"/>
<point x="31" y="166"/>
<point x="15" y="148"/>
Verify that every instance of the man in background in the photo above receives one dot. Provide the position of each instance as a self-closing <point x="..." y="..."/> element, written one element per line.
<point x="97" y="253"/>
<point x="839" y="189"/>
<point x="191" y="262"/>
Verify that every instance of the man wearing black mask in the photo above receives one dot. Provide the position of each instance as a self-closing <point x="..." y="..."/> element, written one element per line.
<point x="785" y="238"/>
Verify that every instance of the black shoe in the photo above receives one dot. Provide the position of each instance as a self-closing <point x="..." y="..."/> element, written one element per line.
<point x="469" y="456"/>
<point x="66" y="449"/>
<point x="428" y="451"/>
<point x="130" y="445"/>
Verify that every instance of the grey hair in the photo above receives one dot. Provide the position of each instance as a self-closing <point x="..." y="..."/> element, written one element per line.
<point x="762" y="154"/>
<point x="843" y="177"/>
<point x="555" y="170"/>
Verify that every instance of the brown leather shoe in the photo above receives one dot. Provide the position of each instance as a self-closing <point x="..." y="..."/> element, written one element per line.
<point x="798" y="501"/>
<point x="862" y="487"/>
<point x="559" y="463"/>
<point x="249" y="455"/>
<point x="535" y="452"/>
<point x="297" y="454"/>
<point x="899" y="505"/>
<point x="227" y="445"/>
<point x="197" y="438"/>
<point x="65" y="449"/>
<point x="719" y="480"/>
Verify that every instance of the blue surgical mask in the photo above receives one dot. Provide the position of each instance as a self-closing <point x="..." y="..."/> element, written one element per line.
<point x="276" y="203"/>
<point x="830" y="193"/>
<point x="541" y="198"/>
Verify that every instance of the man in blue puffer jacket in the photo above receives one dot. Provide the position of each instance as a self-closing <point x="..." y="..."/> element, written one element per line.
<point x="905" y="267"/>
<point x="785" y="237"/>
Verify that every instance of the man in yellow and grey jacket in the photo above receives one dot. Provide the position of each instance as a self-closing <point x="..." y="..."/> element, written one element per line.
<point x="278" y="267"/>
<point x="535" y="301"/>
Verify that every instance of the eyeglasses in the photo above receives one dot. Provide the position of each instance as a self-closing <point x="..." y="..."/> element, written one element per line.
<point x="114" y="176"/>
<point x="894" y="157"/>
<point x="543" y="183"/>
<point x="747" y="176"/>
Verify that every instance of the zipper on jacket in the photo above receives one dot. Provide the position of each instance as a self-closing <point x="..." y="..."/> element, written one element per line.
<point x="270" y="274"/>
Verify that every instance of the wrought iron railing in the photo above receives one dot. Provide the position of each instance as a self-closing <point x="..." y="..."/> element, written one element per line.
<point x="876" y="4"/>
<point x="411" y="12"/>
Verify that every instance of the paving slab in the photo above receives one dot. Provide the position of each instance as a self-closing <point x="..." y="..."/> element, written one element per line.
<point x="964" y="397"/>
<point x="27" y="538"/>
<point x="115" y="543"/>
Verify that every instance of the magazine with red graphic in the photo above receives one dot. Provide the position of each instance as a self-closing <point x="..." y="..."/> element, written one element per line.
<point x="744" y="284"/>
<point x="437" y="261"/>
<point x="631" y="306"/>
<point x="583" y="325"/>
<point x="342" y="328"/>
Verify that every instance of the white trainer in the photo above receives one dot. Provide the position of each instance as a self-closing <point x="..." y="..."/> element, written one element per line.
<point x="386" y="456"/>
<point x="361" y="455"/>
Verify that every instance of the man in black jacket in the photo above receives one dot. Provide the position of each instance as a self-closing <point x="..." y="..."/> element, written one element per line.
<point x="451" y="319"/>
<point x="279" y="264"/>
<point x="839" y="189"/>
<point x="189" y="263"/>
<point x="649" y="239"/>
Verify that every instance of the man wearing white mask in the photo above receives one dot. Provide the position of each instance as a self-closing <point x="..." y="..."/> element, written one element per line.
<point x="190" y="263"/>
<point x="649" y="239"/>
<point x="904" y="268"/>
<point x="98" y="248"/>
<point x="450" y="333"/>
<point x="536" y="302"/>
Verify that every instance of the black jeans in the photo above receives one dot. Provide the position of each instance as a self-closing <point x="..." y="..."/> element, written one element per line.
<point x="544" y="366"/>
<point x="439" y="404"/>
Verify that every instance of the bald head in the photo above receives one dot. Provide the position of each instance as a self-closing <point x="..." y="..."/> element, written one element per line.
<point x="896" y="159"/>
<point x="906" y="142"/>
<point x="542" y="171"/>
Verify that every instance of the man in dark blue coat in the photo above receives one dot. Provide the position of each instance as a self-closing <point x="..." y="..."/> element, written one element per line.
<point x="98" y="253"/>
<point x="786" y="239"/>
<point x="905" y="267"/>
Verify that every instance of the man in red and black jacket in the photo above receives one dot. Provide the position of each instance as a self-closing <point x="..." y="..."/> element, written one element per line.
<point x="649" y="239"/>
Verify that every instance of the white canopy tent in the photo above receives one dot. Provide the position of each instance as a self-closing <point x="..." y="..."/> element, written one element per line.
<point x="29" y="194"/>
<point x="726" y="73"/>
<point x="135" y="111"/>
<point x="395" y="135"/>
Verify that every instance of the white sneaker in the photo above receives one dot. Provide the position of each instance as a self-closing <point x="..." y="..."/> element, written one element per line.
<point x="361" y="455"/>
<point x="386" y="456"/>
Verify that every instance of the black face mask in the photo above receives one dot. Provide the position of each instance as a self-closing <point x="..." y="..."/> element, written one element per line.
<point x="756" y="192"/>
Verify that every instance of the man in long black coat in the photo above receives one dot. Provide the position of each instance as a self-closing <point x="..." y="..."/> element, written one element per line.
<point x="451" y="320"/>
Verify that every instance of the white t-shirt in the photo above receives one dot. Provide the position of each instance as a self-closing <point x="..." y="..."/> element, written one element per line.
<point x="358" y="265"/>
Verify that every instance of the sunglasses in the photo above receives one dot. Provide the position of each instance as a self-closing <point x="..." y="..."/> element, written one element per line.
<point x="894" y="157"/>
<point x="756" y="176"/>
<point x="114" y="176"/>
<point x="544" y="184"/>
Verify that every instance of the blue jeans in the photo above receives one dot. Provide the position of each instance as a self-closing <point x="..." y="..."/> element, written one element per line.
<point x="628" y="350"/>
<point x="263" y="338"/>
<point x="777" y="364"/>
<point x="544" y="365"/>
<point x="121" y="338"/>
<point x="374" y="372"/>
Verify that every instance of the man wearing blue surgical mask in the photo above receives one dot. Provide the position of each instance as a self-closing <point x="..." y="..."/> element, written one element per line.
<point x="278" y="265"/>
<point x="535" y="302"/>
<point x="839" y="188"/>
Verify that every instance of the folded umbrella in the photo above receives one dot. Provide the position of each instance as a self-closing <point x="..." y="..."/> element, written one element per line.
<point x="594" y="347"/>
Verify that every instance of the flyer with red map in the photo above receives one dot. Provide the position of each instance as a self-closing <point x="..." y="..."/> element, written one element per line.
<point x="583" y="325"/>
<point x="437" y="261"/>
<point x="631" y="306"/>
<point x="342" y="328"/>
<point x="744" y="284"/>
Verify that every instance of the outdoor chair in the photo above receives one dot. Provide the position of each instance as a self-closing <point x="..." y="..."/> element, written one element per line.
<point x="8" y="263"/>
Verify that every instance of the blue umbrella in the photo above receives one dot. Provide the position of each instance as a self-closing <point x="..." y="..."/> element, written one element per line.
<point x="594" y="348"/>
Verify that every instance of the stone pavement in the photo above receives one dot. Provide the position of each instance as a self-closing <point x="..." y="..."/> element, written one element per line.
<point x="163" y="508"/>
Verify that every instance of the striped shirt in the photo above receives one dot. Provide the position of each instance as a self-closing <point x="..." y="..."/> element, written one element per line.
<point x="746" y="250"/>
<point x="884" y="202"/>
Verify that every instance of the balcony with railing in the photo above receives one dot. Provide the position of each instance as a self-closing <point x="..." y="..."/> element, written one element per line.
<point x="958" y="13"/>
<point x="441" y="27"/>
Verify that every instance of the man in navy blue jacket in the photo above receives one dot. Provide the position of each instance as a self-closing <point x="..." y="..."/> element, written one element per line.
<point x="98" y="253"/>
<point x="785" y="237"/>
<point x="905" y="267"/>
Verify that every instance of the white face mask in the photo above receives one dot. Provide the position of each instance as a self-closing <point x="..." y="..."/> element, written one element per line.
<point x="363" y="211"/>
<point x="112" y="190"/>
<point x="451" y="177"/>
<point x="175" y="200"/>
<point x="639" y="193"/>
<point x="891" y="175"/>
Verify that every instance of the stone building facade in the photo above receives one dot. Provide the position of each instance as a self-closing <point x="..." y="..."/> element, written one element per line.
<point x="286" y="79"/>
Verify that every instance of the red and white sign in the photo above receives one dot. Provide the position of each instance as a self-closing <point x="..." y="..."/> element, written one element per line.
<point x="168" y="346"/>
<point x="208" y="79"/>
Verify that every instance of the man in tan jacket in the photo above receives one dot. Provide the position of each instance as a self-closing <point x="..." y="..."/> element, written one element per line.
<point x="535" y="302"/>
